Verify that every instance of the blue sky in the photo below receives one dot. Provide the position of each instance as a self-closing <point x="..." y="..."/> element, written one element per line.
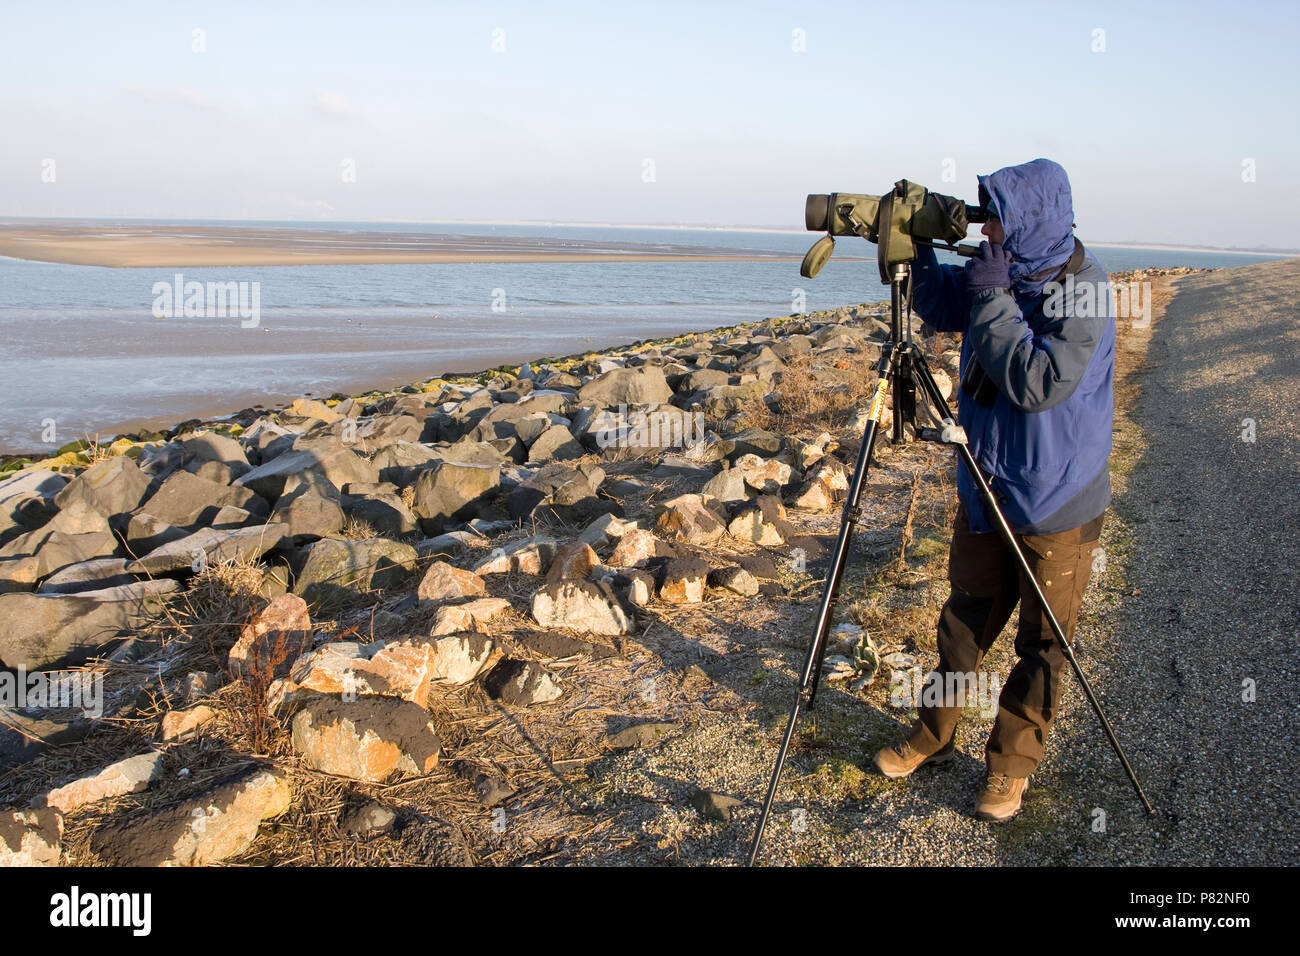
<point x="1154" y="129"/>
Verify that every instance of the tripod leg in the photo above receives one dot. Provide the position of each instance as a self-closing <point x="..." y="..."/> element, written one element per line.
<point x="812" y="664"/>
<point x="991" y="506"/>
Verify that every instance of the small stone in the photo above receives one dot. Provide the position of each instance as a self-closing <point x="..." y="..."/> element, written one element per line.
<point x="443" y="582"/>
<point x="131" y="775"/>
<point x="371" y="819"/>
<point x="633" y="548"/>
<point x="456" y="618"/>
<point x="181" y="724"/>
<point x="683" y="581"/>
<point x="714" y="806"/>
<point x="521" y="683"/>
<point x="582" y="606"/>
<point x="735" y="579"/>
<point x="573" y="561"/>
<point x="639" y="736"/>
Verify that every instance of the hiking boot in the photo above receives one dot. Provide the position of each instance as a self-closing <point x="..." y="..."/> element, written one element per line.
<point x="1000" y="798"/>
<point x="901" y="759"/>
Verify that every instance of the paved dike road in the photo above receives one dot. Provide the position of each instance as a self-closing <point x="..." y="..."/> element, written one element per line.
<point x="1214" y="505"/>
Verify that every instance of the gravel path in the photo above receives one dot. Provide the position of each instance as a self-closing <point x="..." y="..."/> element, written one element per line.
<point x="1215" y="518"/>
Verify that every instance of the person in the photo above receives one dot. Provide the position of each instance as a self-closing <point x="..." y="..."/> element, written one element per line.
<point x="1036" y="402"/>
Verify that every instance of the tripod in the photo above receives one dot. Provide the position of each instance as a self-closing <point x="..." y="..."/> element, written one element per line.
<point x="903" y="365"/>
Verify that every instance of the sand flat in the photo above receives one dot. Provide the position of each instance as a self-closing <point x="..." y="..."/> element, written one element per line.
<point x="168" y="245"/>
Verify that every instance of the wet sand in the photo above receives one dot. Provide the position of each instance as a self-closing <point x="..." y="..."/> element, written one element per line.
<point x="169" y="245"/>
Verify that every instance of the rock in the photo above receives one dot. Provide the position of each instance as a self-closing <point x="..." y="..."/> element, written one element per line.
<point x="368" y="820"/>
<point x="714" y="806"/>
<point x="62" y="630"/>
<point x="640" y="736"/>
<point x="636" y="587"/>
<point x="573" y="561"/>
<point x="404" y="669"/>
<point x="272" y="640"/>
<point x="31" y="837"/>
<point x="386" y="513"/>
<point x="448" y="492"/>
<point x="211" y="446"/>
<point x="492" y="790"/>
<point x="366" y="739"/>
<point x="683" y="581"/>
<point x="91" y="575"/>
<point x="145" y="533"/>
<point x="582" y="606"/>
<point x="633" y="548"/>
<point x="814" y="496"/>
<point x="132" y="775"/>
<point x="627" y="386"/>
<point x="311" y="408"/>
<point x="111" y="487"/>
<point x="765" y="475"/>
<point x="726" y="486"/>
<point x="521" y="683"/>
<point x="336" y="568"/>
<point x="324" y="467"/>
<point x="182" y="724"/>
<point x="401" y="462"/>
<point x="526" y="556"/>
<point x="762" y="521"/>
<point x="562" y="492"/>
<point x="734" y="579"/>
<point x="55" y="550"/>
<point x="188" y="501"/>
<point x="605" y="529"/>
<point x="443" y="582"/>
<point x="309" y="515"/>
<point x="207" y="547"/>
<point x="694" y="519"/>
<point x="231" y="517"/>
<point x="456" y="618"/>
<point x="220" y="823"/>
<point x="554" y="444"/>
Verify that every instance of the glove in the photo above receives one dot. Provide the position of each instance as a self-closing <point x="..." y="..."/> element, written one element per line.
<point x="990" y="268"/>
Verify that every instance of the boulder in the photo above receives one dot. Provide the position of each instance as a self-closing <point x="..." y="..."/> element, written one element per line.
<point x="187" y="501"/>
<point x="58" y="630"/>
<point x="272" y="640"/>
<point x="132" y="775"/>
<point x="309" y="515"/>
<point x="735" y="579"/>
<point x="472" y="616"/>
<point x="444" y="582"/>
<point x="526" y="556"/>
<point x="366" y="739"/>
<point x="682" y="581"/>
<point x="575" y="560"/>
<point x="325" y="467"/>
<point x="93" y="575"/>
<point x="214" y="826"/>
<point x="694" y="519"/>
<point x="334" y="567"/>
<point x="521" y="683"/>
<point x="111" y="487"/>
<point x="581" y="606"/>
<point x="207" y="547"/>
<point x="449" y="493"/>
<point x="762" y="521"/>
<point x="627" y="386"/>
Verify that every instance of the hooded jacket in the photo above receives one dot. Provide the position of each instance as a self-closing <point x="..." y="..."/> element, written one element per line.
<point x="1045" y="442"/>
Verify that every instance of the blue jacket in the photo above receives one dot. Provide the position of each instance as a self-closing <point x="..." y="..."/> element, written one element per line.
<point x="1045" y="442"/>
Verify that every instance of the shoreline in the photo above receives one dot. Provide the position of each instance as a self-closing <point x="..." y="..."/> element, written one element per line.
<point x="196" y="246"/>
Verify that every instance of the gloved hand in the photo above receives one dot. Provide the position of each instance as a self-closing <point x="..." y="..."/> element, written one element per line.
<point x="989" y="268"/>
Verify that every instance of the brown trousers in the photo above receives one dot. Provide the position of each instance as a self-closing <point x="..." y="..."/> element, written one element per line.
<point x="986" y="586"/>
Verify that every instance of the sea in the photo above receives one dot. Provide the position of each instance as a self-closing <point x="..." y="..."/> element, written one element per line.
<point x="85" y="355"/>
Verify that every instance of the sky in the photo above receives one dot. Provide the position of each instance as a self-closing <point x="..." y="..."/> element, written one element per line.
<point x="1175" y="121"/>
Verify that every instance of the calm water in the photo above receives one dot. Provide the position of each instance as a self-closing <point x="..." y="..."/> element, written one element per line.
<point x="83" y="348"/>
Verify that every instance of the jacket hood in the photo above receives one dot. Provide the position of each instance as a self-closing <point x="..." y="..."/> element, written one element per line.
<point x="1034" y="205"/>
